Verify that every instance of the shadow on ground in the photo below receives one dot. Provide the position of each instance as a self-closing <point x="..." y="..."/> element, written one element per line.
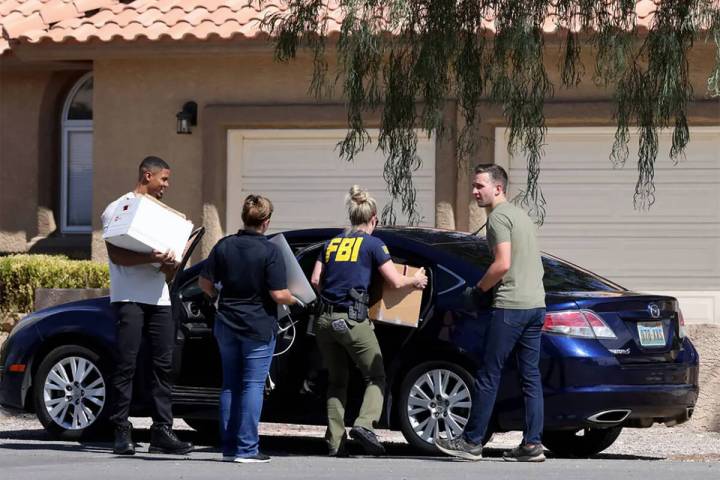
<point x="279" y="446"/>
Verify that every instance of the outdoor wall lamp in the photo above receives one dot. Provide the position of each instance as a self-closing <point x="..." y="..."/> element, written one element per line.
<point x="187" y="118"/>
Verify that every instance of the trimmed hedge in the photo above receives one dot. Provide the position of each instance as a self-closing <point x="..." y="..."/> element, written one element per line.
<point x="20" y="275"/>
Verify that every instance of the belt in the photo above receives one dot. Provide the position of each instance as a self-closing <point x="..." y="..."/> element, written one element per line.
<point x="330" y="309"/>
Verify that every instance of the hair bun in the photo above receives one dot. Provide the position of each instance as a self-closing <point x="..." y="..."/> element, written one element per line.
<point x="361" y="206"/>
<point x="358" y="195"/>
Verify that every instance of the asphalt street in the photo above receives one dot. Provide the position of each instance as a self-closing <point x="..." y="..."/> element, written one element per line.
<point x="28" y="454"/>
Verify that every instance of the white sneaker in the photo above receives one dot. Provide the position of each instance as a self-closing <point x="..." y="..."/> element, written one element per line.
<point x="257" y="458"/>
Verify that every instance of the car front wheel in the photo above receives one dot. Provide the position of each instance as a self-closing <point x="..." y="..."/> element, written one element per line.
<point x="581" y="443"/>
<point x="434" y="402"/>
<point x="70" y="392"/>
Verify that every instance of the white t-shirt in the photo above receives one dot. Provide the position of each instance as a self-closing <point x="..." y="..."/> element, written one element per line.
<point x="140" y="283"/>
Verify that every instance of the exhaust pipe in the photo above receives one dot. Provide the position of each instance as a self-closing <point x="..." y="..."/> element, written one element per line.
<point x="610" y="416"/>
<point x="681" y="419"/>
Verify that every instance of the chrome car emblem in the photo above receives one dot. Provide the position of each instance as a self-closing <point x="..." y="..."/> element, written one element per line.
<point x="619" y="351"/>
<point x="654" y="310"/>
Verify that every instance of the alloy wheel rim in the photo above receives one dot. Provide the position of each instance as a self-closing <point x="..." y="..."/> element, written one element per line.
<point x="74" y="393"/>
<point x="438" y="405"/>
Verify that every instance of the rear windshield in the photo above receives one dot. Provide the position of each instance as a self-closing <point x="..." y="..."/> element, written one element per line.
<point x="559" y="276"/>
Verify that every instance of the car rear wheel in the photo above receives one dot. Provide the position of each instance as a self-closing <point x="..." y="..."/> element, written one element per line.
<point x="70" y="392"/>
<point x="434" y="402"/>
<point x="581" y="443"/>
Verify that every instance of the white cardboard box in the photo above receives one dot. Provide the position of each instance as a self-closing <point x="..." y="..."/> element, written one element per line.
<point x="144" y="224"/>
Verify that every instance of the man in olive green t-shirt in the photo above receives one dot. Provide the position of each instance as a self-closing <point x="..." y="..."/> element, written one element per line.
<point x="518" y="313"/>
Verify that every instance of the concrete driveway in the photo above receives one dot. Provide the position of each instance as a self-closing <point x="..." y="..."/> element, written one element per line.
<point x="298" y="452"/>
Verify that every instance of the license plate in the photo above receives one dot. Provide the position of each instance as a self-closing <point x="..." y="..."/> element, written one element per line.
<point x="651" y="334"/>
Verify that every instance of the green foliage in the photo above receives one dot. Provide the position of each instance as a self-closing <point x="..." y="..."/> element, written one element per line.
<point x="20" y="275"/>
<point x="394" y="53"/>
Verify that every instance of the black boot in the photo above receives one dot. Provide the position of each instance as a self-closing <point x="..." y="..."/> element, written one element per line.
<point x="123" y="440"/>
<point x="163" y="440"/>
<point x="367" y="440"/>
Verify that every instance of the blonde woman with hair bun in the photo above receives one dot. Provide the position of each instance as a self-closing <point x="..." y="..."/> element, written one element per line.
<point x="342" y="276"/>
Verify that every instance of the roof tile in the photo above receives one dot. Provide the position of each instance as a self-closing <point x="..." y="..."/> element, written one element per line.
<point x="25" y="7"/>
<point x="142" y="5"/>
<point x="148" y="17"/>
<point x="179" y="30"/>
<point x="16" y="23"/>
<point x="173" y="16"/>
<point x="102" y="17"/>
<point x="196" y="16"/>
<point x="54" y="12"/>
<point x="85" y="5"/>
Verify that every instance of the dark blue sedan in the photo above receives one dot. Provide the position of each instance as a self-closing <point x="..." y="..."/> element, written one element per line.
<point x="611" y="359"/>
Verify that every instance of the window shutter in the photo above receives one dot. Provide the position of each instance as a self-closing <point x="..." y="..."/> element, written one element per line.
<point x="79" y="178"/>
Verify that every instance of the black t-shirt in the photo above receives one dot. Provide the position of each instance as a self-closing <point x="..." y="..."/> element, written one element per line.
<point x="350" y="260"/>
<point x="247" y="266"/>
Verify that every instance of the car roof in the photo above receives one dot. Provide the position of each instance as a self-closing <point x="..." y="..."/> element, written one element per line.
<point x="425" y="235"/>
<point x="431" y="236"/>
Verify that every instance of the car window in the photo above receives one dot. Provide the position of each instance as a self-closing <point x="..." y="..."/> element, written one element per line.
<point x="475" y="253"/>
<point x="308" y="258"/>
<point x="447" y="280"/>
<point x="561" y="276"/>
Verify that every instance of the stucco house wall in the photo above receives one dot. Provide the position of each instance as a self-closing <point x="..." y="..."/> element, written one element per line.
<point x="30" y="105"/>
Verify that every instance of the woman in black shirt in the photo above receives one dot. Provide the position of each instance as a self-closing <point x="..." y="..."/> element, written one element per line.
<point x="248" y="274"/>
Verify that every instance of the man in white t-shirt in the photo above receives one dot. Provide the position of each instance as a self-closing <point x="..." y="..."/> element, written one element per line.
<point x="140" y="298"/>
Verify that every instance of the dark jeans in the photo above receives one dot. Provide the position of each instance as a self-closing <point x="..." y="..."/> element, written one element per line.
<point x="135" y="320"/>
<point x="245" y="366"/>
<point x="509" y="330"/>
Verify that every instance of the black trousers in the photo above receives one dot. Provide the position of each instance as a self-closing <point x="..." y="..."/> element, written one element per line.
<point x="155" y="322"/>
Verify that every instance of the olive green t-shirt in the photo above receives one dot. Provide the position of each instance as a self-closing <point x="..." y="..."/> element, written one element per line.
<point x="522" y="286"/>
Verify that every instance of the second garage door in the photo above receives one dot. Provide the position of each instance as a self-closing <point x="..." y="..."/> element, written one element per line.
<point x="673" y="248"/>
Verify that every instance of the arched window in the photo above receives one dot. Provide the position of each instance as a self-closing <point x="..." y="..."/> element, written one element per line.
<point x="77" y="161"/>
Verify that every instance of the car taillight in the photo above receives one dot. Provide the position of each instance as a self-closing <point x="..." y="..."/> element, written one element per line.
<point x="577" y="323"/>
<point x="681" y="322"/>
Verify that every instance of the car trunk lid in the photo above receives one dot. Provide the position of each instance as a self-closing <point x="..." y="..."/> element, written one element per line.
<point x="647" y="327"/>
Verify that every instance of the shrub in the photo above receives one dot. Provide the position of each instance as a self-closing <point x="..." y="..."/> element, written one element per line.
<point x="20" y="275"/>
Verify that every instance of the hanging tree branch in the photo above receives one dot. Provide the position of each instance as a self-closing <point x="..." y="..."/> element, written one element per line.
<point x="396" y="54"/>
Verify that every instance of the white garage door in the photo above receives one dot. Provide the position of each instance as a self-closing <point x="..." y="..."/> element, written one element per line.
<point x="299" y="170"/>
<point x="673" y="248"/>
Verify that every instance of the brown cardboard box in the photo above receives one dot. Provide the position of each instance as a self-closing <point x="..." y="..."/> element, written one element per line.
<point x="398" y="306"/>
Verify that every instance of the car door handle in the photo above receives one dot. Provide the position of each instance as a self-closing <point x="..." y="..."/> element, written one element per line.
<point x="197" y="330"/>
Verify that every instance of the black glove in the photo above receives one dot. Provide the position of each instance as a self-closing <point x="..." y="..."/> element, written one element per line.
<point x="476" y="299"/>
<point x="298" y="308"/>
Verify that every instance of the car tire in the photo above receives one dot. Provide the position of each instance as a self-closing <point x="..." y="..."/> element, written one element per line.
<point x="426" y="409"/>
<point x="581" y="443"/>
<point x="70" y="392"/>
